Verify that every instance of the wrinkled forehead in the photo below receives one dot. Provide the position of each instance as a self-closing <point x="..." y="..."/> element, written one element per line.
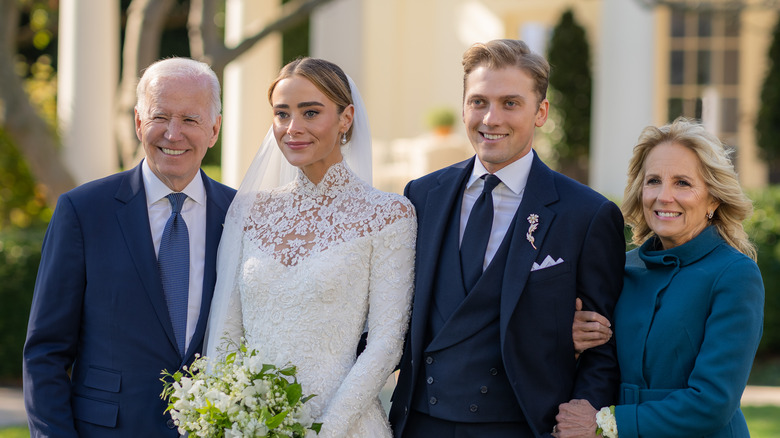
<point x="184" y="96"/>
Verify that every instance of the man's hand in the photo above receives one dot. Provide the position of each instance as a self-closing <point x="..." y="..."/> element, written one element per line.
<point x="589" y="329"/>
<point x="576" y="419"/>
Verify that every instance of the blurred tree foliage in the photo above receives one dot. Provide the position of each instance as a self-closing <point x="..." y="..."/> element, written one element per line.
<point x="20" y="254"/>
<point x="764" y="230"/>
<point x="295" y="41"/>
<point x="22" y="202"/>
<point x="768" y="120"/>
<point x="570" y="97"/>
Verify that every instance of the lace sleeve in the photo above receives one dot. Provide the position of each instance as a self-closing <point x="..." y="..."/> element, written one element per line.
<point x="391" y="283"/>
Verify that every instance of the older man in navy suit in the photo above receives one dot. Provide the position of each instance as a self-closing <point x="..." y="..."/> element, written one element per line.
<point x="128" y="270"/>
<point x="505" y="245"/>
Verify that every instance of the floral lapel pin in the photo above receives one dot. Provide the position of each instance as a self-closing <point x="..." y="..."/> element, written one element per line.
<point x="533" y="219"/>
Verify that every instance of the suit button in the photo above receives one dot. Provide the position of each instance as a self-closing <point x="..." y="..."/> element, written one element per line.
<point x="433" y="400"/>
<point x="493" y="372"/>
<point x="429" y="380"/>
<point x="473" y="408"/>
<point x="170" y="424"/>
<point x="406" y="410"/>
<point x="483" y="390"/>
<point x="429" y="360"/>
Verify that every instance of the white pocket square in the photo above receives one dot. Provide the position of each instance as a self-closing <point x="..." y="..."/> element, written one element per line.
<point x="546" y="263"/>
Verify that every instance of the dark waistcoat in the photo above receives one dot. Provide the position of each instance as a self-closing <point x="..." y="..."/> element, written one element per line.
<point x="462" y="377"/>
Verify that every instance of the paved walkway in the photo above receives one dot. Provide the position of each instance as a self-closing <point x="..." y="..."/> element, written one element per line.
<point x="12" y="406"/>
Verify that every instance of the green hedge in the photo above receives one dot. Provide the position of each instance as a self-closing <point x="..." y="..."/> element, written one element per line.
<point x="764" y="230"/>
<point x="20" y="254"/>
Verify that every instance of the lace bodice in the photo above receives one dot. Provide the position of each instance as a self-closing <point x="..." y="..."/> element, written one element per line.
<point x="318" y="265"/>
<point x="292" y="222"/>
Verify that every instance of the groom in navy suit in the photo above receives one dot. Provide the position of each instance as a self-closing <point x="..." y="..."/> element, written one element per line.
<point x="505" y="245"/>
<point x="108" y="316"/>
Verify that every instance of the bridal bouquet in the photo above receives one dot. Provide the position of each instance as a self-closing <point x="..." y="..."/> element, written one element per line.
<point x="237" y="397"/>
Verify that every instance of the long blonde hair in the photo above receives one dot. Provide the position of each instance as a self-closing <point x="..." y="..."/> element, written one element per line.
<point x="718" y="173"/>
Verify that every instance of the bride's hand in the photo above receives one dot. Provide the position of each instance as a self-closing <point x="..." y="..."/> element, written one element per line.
<point x="590" y="329"/>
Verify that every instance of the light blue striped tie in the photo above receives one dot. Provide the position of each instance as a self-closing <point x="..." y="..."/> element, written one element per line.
<point x="174" y="263"/>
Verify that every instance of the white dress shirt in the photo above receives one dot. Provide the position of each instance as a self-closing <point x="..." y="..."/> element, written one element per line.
<point x="506" y="198"/>
<point x="194" y="213"/>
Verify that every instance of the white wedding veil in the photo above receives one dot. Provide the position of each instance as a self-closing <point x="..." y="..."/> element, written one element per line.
<point x="268" y="170"/>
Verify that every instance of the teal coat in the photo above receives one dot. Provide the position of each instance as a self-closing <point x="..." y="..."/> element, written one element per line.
<point x="687" y="327"/>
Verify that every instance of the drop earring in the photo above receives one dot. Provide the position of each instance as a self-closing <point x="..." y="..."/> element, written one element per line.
<point x="344" y="138"/>
<point x="709" y="215"/>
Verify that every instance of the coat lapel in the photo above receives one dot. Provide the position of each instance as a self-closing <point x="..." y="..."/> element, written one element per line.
<point x="438" y="211"/>
<point x="133" y="219"/>
<point x="539" y="192"/>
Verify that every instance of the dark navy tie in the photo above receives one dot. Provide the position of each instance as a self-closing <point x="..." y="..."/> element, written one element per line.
<point x="174" y="262"/>
<point x="477" y="233"/>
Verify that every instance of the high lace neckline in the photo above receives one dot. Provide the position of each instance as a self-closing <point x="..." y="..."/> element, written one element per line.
<point x="292" y="222"/>
<point x="335" y="181"/>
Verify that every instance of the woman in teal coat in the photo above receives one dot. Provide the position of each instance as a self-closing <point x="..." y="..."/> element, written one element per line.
<point x="690" y="316"/>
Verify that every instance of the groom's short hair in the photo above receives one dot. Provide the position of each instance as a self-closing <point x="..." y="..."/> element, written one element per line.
<point x="502" y="53"/>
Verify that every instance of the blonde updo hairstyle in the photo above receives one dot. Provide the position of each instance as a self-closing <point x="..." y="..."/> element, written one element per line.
<point x="716" y="169"/>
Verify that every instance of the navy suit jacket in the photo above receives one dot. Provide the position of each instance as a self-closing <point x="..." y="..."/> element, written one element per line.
<point x="537" y="308"/>
<point x="99" y="332"/>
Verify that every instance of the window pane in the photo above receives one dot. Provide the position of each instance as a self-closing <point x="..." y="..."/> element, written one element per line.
<point x="676" y="67"/>
<point x="705" y="24"/>
<point x="697" y="110"/>
<point x="678" y="23"/>
<point x="732" y="24"/>
<point x="730" y="67"/>
<point x="729" y="115"/>
<point x="675" y="108"/>
<point x="703" y="76"/>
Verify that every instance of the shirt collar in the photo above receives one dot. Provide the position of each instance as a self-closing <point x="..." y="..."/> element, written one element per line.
<point x="156" y="189"/>
<point x="514" y="175"/>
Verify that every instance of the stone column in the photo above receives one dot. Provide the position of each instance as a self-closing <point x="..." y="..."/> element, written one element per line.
<point x="246" y="114"/>
<point x="622" y="92"/>
<point x="88" y="69"/>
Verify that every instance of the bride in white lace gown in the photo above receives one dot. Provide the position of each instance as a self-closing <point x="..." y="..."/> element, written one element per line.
<point x="306" y="267"/>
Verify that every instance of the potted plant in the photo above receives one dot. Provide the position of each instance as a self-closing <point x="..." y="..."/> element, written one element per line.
<point x="441" y="120"/>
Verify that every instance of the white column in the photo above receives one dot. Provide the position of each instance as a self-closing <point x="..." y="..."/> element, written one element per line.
<point x="87" y="80"/>
<point x="335" y="35"/>
<point x="623" y="92"/>
<point x="246" y="114"/>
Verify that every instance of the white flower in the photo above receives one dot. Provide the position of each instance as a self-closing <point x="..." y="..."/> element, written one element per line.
<point x="240" y="391"/>
<point x="606" y="421"/>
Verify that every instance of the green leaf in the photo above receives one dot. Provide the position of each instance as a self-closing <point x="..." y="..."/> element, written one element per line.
<point x="277" y="419"/>
<point x="294" y="392"/>
<point x="316" y="427"/>
<point x="289" y="371"/>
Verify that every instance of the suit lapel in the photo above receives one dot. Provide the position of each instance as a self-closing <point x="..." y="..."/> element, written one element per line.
<point x="133" y="219"/>
<point x="539" y="192"/>
<point x="438" y="211"/>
